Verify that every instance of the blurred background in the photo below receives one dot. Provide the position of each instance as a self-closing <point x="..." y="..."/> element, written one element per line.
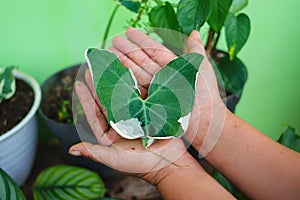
<point x="44" y="36"/>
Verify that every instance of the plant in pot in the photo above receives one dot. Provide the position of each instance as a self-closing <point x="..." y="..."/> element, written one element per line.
<point x="20" y="97"/>
<point x="183" y="16"/>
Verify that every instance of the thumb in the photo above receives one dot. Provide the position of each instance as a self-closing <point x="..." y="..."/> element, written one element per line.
<point x="98" y="153"/>
<point x="194" y="44"/>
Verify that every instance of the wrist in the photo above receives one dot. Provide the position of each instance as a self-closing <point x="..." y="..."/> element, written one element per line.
<point x="185" y="162"/>
<point x="210" y="127"/>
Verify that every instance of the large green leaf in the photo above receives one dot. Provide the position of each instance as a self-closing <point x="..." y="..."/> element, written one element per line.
<point x="170" y="95"/>
<point x="8" y="188"/>
<point x="191" y="14"/>
<point x="218" y="14"/>
<point x="68" y="182"/>
<point x="237" y="30"/>
<point x="290" y="139"/>
<point x="131" y="5"/>
<point x="163" y="16"/>
<point x="238" y="5"/>
<point x="233" y="72"/>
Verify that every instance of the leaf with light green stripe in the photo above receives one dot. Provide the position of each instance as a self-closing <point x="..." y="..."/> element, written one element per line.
<point x="191" y="14"/>
<point x="8" y="188"/>
<point x="170" y="95"/>
<point x="68" y="182"/>
<point x="218" y="14"/>
<point x="237" y="30"/>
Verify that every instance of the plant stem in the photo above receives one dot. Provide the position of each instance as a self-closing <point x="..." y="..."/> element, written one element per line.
<point x="216" y="41"/>
<point x="210" y="40"/>
<point x="138" y="18"/>
<point x="109" y="25"/>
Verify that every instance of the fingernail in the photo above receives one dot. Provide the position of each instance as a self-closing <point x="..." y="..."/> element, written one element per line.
<point x="75" y="153"/>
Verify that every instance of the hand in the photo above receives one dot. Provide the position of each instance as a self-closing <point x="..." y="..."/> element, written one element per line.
<point x="126" y="155"/>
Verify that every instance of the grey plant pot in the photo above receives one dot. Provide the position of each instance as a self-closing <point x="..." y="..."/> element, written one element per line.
<point x="18" y="145"/>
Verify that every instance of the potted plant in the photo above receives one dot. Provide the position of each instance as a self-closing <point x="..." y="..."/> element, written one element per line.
<point x="183" y="16"/>
<point x="20" y="97"/>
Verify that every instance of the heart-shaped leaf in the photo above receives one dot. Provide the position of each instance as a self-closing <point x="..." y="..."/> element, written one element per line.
<point x="169" y="102"/>
<point x="290" y="139"/>
<point x="68" y="182"/>
<point x="218" y="14"/>
<point x="191" y="14"/>
<point x="233" y="72"/>
<point x="131" y="5"/>
<point x="238" y="5"/>
<point x="237" y="30"/>
<point x="8" y="187"/>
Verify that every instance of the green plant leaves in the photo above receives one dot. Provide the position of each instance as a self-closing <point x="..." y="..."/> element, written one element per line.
<point x="68" y="182"/>
<point x="191" y="14"/>
<point x="7" y="83"/>
<point x="218" y="14"/>
<point x="238" y="5"/>
<point x="164" y="16"/>
<point x="290" y="139"/>
<point x="237" y="30"/>
<point x="233" y="72"/>
<point x="170" y="96"/>
<point x="8" y="187"/>
<point x="131" y="5"/>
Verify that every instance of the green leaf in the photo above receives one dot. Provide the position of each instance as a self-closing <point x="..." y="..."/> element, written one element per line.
<point x="170" y="95"/>
<point x="131" y="5"/>
<point x="8" y="187"/>
<point x="233" y="72"/>
<point x="290" y="139"/>
<point x="191" y="14"/>
<point x="218" y="14"/>
<point x="7" y="83"/>
<point x="164" y="18"/>
<point x="238" y="5"/>
<point x="237" y="30"/>
<point x="68" y="182"/>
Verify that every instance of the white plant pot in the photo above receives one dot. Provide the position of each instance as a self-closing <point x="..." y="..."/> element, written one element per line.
<point x="18" y="145"/>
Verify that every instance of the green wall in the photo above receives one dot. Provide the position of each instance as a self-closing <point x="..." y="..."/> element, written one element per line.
<point x="44" y="36"/>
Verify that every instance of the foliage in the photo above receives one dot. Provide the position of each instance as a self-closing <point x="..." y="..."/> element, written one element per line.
<point x="187" y="15"/>
<point x="68" y="182"/>
<point x="159" y="115"/>
<point x="7" y="83"/>
<point x="9" y="188"/>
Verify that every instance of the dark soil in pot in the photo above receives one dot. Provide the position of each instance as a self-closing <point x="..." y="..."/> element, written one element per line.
<point x="13" y="110"/>
<point x="56" y="103"/>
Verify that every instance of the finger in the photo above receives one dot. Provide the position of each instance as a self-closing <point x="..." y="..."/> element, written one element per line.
<point x="156" y="51"/>
<point x="143" y="78"/>
<point x="194" y="44"/>
<point x="89" y="81"/>
<point x="94" y="116"/>
<point x="135" y="54"/>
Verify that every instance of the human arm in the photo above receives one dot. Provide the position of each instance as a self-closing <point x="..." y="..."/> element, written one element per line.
<point x="257" y="165"/>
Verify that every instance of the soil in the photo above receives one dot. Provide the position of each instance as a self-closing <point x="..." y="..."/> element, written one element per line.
<point x="57" y="101"/>
<point x="13" y="110"/>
